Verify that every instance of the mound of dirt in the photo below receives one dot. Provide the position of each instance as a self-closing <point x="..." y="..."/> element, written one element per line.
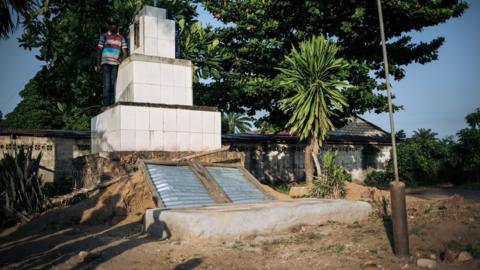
<point x="358" y="192"/>
<point x="121" y="201"/>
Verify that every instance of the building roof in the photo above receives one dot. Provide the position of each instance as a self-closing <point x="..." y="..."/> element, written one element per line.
<point x="46" y="133"/>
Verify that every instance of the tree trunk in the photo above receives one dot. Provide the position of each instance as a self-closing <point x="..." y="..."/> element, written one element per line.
<point x="315" y="150"/>
<point x="308" y="163"/>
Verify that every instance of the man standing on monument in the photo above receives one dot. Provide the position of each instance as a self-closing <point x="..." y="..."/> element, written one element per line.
<point x="112" y="49"/>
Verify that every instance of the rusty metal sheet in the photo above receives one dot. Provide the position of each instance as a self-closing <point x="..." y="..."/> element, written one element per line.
<point x="237" y="187"/>
<point x="178" y="186"/>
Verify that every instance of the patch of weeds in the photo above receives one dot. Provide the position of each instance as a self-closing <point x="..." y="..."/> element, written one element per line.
<point x="337" y="248"/>
<point x="357" y="238"/>
<point x="454" y="245"/>
<point x="474" y="250"/>
<point x="313" y="236"/>
<point x="370" y="231"/>
<point x="428" y="208"/>
<point x="282" y="188"/>
<point x="237" y="244"/>
<point x="374" y="251"/>
<point x="354" y="225"/>
<point x="134" y="167"/>
<point x="276" y="242"/>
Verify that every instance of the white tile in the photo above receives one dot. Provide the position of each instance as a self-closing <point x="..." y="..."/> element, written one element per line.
<point x="170" y="141"/>
<point x="170" y="120"/>
<point x="188" y="76"/>
<point x="150" y="27"/>
<point x="208" y="141"/>
<point x="217" y="141"/>
<point x="142" y="118"/>
<point x="195" y="121"/>
<point x="147" y="93"/>
<point x="183" y="120"/>
<point x="166" y="29"/>
<point x="179" y="76"/>
<point x="183" y="141"/>
<point x="127" y="115"/>
<point x="93" y="123"/>
<point x="196" y="141"/>
<point x="180" y="96"/>
<point x="163" y="48"/>
<point x="156" y="140"/>
<point x="156" y="119"/>
<point x="151" y="46"/>
<point x="142" y="140"/>
<point x="168" y="94"/>
<point x="189" y="96"/>
<point x="160" y="13"/>
<point x="166" y="76"/>
<point x="208" y="122"/>
<point x="127" y="140"/>
<point x="152" y="73"/>
<point x="113" y="140"/>
<point x="217" y="117"/>
<point x="114" y="119"/>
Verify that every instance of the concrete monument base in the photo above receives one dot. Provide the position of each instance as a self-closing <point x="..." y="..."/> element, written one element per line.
<point x="237" y="221"/>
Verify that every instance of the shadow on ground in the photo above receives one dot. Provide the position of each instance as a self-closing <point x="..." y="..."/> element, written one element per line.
<point x="56" y="238"/>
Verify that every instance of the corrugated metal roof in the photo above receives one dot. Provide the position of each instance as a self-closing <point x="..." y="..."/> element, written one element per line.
<point x="178" y="186"/>
<point x="237" y="187"/>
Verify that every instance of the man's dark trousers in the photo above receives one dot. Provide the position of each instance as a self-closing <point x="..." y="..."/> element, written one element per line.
<point x="109" y="80"/>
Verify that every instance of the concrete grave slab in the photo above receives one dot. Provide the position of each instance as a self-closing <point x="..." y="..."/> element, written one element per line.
<point x="236" y="221"/>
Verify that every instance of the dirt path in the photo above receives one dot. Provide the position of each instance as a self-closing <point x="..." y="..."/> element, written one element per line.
<point x="442" y="193"/>
<point x="105" y="232"/>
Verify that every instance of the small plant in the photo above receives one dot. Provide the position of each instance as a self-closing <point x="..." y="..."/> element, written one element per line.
<point x="378" y="179"/>
<point x="282" y="188"/>
<point x="331" y="183"/>
<point x="21" y="187"/>
<point x="134" y="167"/>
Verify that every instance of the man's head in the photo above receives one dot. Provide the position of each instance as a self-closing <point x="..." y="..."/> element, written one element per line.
<point x="112" y="24"/>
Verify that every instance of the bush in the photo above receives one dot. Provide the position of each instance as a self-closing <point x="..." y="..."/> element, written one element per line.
<point x="378" y="179"/>
<point x="331" y="183"/>
<point x="21" y="188"/>
<point x="467" y="151"/>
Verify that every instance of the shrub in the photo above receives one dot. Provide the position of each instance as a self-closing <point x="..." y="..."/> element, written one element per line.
<point x="331" y="183"/>
<point x="21" y="188"/>
<point x="378" y="179"/>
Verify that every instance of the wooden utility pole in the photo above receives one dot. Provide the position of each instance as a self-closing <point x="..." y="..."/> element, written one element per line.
<point x="397" y="188"/>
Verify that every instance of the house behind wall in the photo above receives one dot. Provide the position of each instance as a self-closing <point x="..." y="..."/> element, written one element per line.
<point x="58" y="148"/>
<point x="361" y="147"/>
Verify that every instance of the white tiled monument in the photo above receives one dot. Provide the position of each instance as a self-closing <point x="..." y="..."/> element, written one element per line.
<point x="153" y="108"/>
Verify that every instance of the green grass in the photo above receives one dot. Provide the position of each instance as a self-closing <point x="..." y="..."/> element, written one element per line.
<point x="282" y="188"/>
<point x="337" y="248"/>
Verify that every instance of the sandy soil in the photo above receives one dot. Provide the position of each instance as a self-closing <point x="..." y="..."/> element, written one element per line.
<point x="105" y="232"/>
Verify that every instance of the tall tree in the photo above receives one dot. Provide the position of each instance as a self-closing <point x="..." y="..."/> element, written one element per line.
<point x="10" y="13"/>
<point x="66" y="32"/>
<point x="236" y="123"/>
<point x="258" y="33"/>
<point x="312" y="73"/>
<point x="468" y="148"/>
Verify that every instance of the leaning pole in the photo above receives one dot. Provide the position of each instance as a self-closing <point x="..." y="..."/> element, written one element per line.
<point x="397" y="188"/>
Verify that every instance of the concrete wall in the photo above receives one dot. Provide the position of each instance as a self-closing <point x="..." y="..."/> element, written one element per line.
<point x="274" y="163"/>
<point x="57" y="152"/>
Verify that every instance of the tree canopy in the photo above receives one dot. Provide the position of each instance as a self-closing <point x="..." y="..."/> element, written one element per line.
<point x="242" y="77"/>
<point x="259" y="33"/>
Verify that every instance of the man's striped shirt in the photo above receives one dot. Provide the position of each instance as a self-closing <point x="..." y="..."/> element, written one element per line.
<point x="111" y="45"/>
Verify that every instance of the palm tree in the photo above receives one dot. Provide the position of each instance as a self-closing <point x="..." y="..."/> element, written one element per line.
<point x="236" y="123"/>
<point x="10" y="13"/>
<point x="424" y="134"/>
<point x="311" y="73"/>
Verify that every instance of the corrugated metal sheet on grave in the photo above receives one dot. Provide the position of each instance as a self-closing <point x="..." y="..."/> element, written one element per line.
<point x="178" y="186"/>
<point x="236" y="185"/>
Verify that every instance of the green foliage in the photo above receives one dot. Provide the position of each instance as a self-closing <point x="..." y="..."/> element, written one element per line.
<point x="236" y="123"/>
<point x="423" y="159"/>
<point x="467" y="151"/>
<point x="259" y="33"/>
<point x="378" y="179"/>
<point x="66" y="92"/>
<point x="312" y="73"/>
<point x="21" y="188"/>
<point x="10" y="13"/>
<point x="331" y="183"/>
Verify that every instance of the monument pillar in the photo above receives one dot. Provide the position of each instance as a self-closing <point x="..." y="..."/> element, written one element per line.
<point x="153" y="109"/>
